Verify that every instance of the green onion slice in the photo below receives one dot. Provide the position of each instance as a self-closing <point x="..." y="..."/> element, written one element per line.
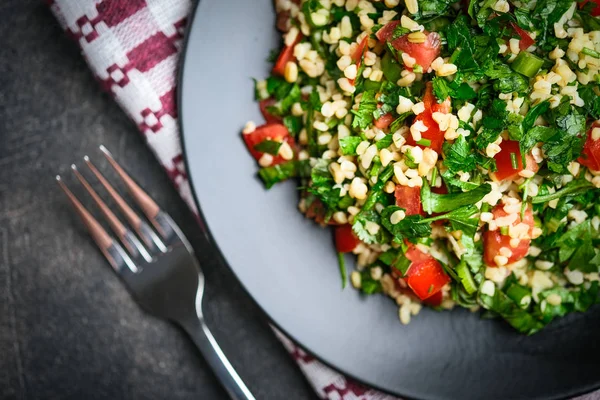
<point x="527" y="64"/>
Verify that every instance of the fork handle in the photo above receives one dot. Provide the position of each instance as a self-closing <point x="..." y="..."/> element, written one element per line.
<point x="208" y="346"/>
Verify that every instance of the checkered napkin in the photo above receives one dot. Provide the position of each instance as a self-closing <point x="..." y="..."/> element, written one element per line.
<point x="132" y="47"/>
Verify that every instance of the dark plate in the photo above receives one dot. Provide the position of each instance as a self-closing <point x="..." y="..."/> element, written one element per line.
<point x="289" y="266"/>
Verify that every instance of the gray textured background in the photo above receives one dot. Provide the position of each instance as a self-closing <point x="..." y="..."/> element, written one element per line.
<point x="68" y="328"/>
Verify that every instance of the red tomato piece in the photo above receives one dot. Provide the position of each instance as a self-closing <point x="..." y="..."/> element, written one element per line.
<point x="433" y="133"/>
<point x="499" y="212"/>
<point x="426" y="278"/>
<point x="345" y="239"/>
<point x="431" y="102"/>
<point x="504" y="161"/>
<point x="287" y="54"/>
<point x="360" y="51"/>
<point x="595" y="10"/>
<point x="384" y="121"/>
<point x="409" y="198"/>
<point x="434" y="300"/>
<point x="440" y="190"/>
<point x="423" y="53"/>
<point x="415" y="255"/>
<point x="316" y="211"/>
<point x="358" y="54"/>
<point x="277" y="132"/>
<point x="591" y="151"/>
<point x="493" y="241"/>
<point x="525" y="40"/>
<point x="387" y="31"/>
<point x="270" y="119"/>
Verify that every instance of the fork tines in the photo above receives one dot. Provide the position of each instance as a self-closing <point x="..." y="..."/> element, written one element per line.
<point x="114" y="253"/>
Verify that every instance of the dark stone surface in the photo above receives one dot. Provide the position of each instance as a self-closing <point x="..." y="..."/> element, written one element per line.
<point x="68" y="328"/>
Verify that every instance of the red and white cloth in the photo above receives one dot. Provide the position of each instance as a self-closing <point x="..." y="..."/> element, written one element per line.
<point x="133" y="48"/>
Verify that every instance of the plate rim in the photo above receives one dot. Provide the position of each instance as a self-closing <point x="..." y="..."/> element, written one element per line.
<point x="218" y="254"/>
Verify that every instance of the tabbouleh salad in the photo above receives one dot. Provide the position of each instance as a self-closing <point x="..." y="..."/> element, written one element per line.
<point x="453" y="146"/>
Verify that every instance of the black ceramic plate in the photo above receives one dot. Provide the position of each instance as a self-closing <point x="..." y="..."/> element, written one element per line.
<point x="289" y="266"/>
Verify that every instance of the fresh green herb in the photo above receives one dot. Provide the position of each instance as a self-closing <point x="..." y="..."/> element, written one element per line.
<point x="408" y="228"/>
<point x="363" y="117"/>
<point x="461" y="219"/>
<point x="572" y="300"/>
<point x="462" y="270"/>
<point x="532" y="137"/>
<point x="377" y="189"/>
<point x="424" y="142"/>
<point x="399" y="31"/>
<point x="444" y="89"/>
<point x="323" y="186"/>
<point x="591" y="101"/>
<point x="343" y="272"/>
<point x="359" y="227"/>
<point x="576" y="246"/>
<point x="385" y="142"/>
<point x="293" y="124"/>
<point x="520" y="295"/>
<point x="349" y="144"/>
<point x="450" y="180"/>
<point x="460" y="156"/>
<point x="281" y="172"/>
<point x="396" y="259"/>
<point x="433" y="8"/>
<point x="511" y="84"/>
<point x="391" y="68"/>
<point x="504" y="306"/>
<point x="573" y="124"/>
<point x="268" y="146"/>
<point x="367" y="284"/>
<point x="435" y="203"/>
<point x="561" y="149"/>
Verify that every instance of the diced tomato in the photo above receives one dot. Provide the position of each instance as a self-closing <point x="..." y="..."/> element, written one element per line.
<point x="591" y="151"/>
<point x="525" y="39"/>
<point x="276" y="132"/>
<point x="425" y="275"/>
<point x="433" y="133"/>
<point x="384" y="121"/>
<point x="423" y="53"/>
<point x="358" y="54"/>
<point x="434" y="300"/>
<point x="270" y="119"/>
<point x="493" y="241"/>
<point x="287" y="54"/>
<point x="316" y="211"/>
<point x="595" y="10"/>
<point x="345" y="239"/>
<point x="504" y="161"/>
<point x="426" y="278"/>
<point x="440" y="190"/>
<point x="415" y="255"/>
<point x="409" y="198"/>
<point x="360" y="51"/>
<point x="387" y="31"/>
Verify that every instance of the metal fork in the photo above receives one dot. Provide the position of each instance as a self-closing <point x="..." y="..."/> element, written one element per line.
<point x="162" y="274"/>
